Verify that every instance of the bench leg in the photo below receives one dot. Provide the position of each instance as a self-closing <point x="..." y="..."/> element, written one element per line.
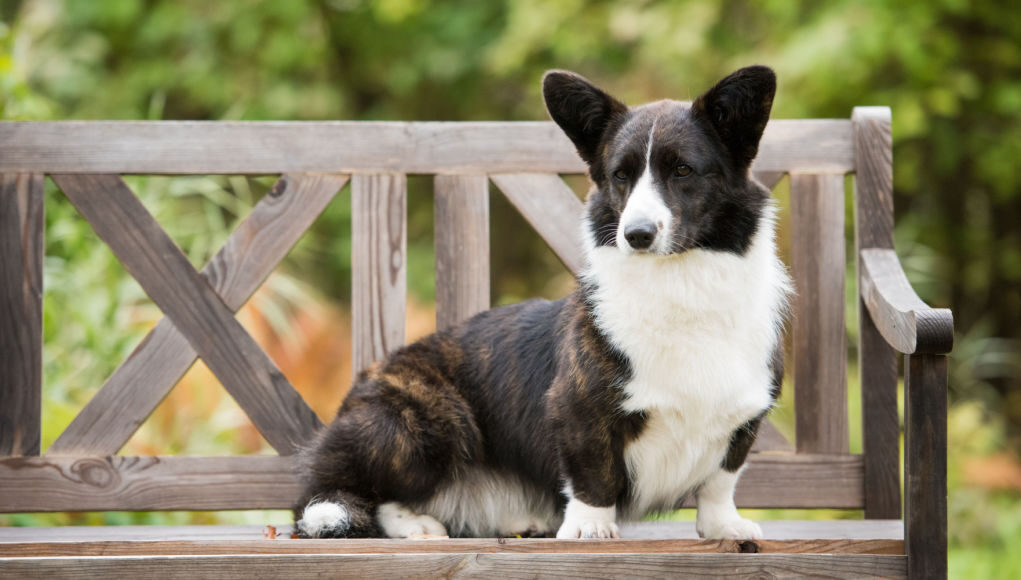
<point x="925" y="466"/>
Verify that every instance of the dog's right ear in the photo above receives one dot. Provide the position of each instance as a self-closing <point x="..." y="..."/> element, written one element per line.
<point x="581" y="109"/>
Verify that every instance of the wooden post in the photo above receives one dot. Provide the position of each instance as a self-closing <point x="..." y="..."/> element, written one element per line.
<point x="21" y="312"/>
<point x="462" y="247"/>
<point x="820" y="341"/>
<point x="378" y="269"/>
<point x="877" y="361"/>
<point x="925" y="466"/>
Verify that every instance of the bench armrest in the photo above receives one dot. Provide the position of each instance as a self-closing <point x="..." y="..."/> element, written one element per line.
<point x="906" y="323"/>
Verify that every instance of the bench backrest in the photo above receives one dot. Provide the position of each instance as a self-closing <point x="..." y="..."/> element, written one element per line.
<point x="81" y="470"/>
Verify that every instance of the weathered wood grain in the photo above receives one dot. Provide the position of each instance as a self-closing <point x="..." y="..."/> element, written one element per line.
<point x="906" y="323"/>
<point x="461" y="233"/>
<point x="551" y="207"/>
<point x="877" y="362"/>
<point x="777" y="530"/>
<point x="134" y="390"/>
<point x="56" y="483"/>
<point x="633" y="533"/>
<point x="88" y="545"/>
<point x="190" y="147"/>
<point x="378" y="266"/>
<point x="462" y="566"/>
<point x="21" y="312"/>
<point x="925" y="465"/>
<point x="820" y="343"/>
<point x="152" y="258"/>
<point x="771" y="439"/>
<point x="44" y="484"/>
<point x="873" y="179"/>
<point x="803" y="480"/>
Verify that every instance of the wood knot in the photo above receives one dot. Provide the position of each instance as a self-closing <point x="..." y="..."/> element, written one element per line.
<point x="747" y="547"/>
<point x="279" y="187"/>
<point x="94" y="472"/>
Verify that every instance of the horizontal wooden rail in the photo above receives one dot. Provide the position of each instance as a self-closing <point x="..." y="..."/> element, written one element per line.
<point x="46" y="484"/>
<point x="49" y="484"/>
<point x="196" y="147"/>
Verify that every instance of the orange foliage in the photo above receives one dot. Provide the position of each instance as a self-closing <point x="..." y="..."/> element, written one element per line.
<point x="314" y="353"/>
<point x="995" y="472"/>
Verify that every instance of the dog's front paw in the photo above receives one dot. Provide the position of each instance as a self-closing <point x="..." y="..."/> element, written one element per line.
<point x="585" y="521"/>
<point x="732" y="527"/>
<point x="588" y="529"/>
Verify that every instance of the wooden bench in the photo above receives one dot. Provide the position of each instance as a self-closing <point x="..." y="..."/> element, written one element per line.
<point x="81" y="471"/>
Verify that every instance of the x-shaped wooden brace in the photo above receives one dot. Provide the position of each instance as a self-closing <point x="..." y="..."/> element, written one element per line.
<point x="200" y="311"/>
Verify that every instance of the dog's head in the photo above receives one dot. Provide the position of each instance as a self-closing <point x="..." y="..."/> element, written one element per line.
<point x="669" y="177"/>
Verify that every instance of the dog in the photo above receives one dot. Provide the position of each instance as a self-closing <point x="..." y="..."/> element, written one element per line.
<point x="644" y="386"/>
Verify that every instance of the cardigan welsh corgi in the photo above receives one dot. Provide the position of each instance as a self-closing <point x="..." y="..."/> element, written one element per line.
<point x="644" y="386"/>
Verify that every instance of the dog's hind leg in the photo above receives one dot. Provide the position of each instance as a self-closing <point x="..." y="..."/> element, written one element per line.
<point x="336" y="514"/>
<point x="396" y="438"/>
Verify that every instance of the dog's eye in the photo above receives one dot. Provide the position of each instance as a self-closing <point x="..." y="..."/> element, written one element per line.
<point x="683" y="170"/>
<point x="620" y="175"/>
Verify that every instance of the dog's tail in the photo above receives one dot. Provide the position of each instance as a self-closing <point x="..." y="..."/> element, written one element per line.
<point x="336" y="514"/>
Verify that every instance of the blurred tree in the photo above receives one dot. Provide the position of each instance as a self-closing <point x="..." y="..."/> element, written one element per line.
<point x="951" y="70"/>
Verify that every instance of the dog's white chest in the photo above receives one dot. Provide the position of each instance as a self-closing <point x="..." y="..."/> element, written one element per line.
<point x="694" y="396"/>
<point x="699" y="332"/>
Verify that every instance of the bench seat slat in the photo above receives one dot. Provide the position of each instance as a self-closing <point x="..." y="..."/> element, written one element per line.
<point x="778" y="530"/>
<point x="465" y="565"/>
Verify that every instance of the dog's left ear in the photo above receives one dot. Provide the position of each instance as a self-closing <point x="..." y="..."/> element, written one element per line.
<point x="738" y="108"/>
<point x="581" y="109"/>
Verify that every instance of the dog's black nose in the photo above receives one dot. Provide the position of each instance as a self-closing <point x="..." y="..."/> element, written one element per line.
<point x="640" y="235"/>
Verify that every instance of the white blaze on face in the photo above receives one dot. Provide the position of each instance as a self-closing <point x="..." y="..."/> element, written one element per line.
<point x="645" y="204"/>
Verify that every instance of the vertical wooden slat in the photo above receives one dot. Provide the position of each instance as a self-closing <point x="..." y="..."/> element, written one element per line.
<point x="378" y="269"/>
<point x="820" y="344"/>
<point x="21" y="312"/>
<point x="877" y="364"/>
<point x="462" y="247"/>
<point x="925" y="466"/>
<point x="877" y="361"/>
